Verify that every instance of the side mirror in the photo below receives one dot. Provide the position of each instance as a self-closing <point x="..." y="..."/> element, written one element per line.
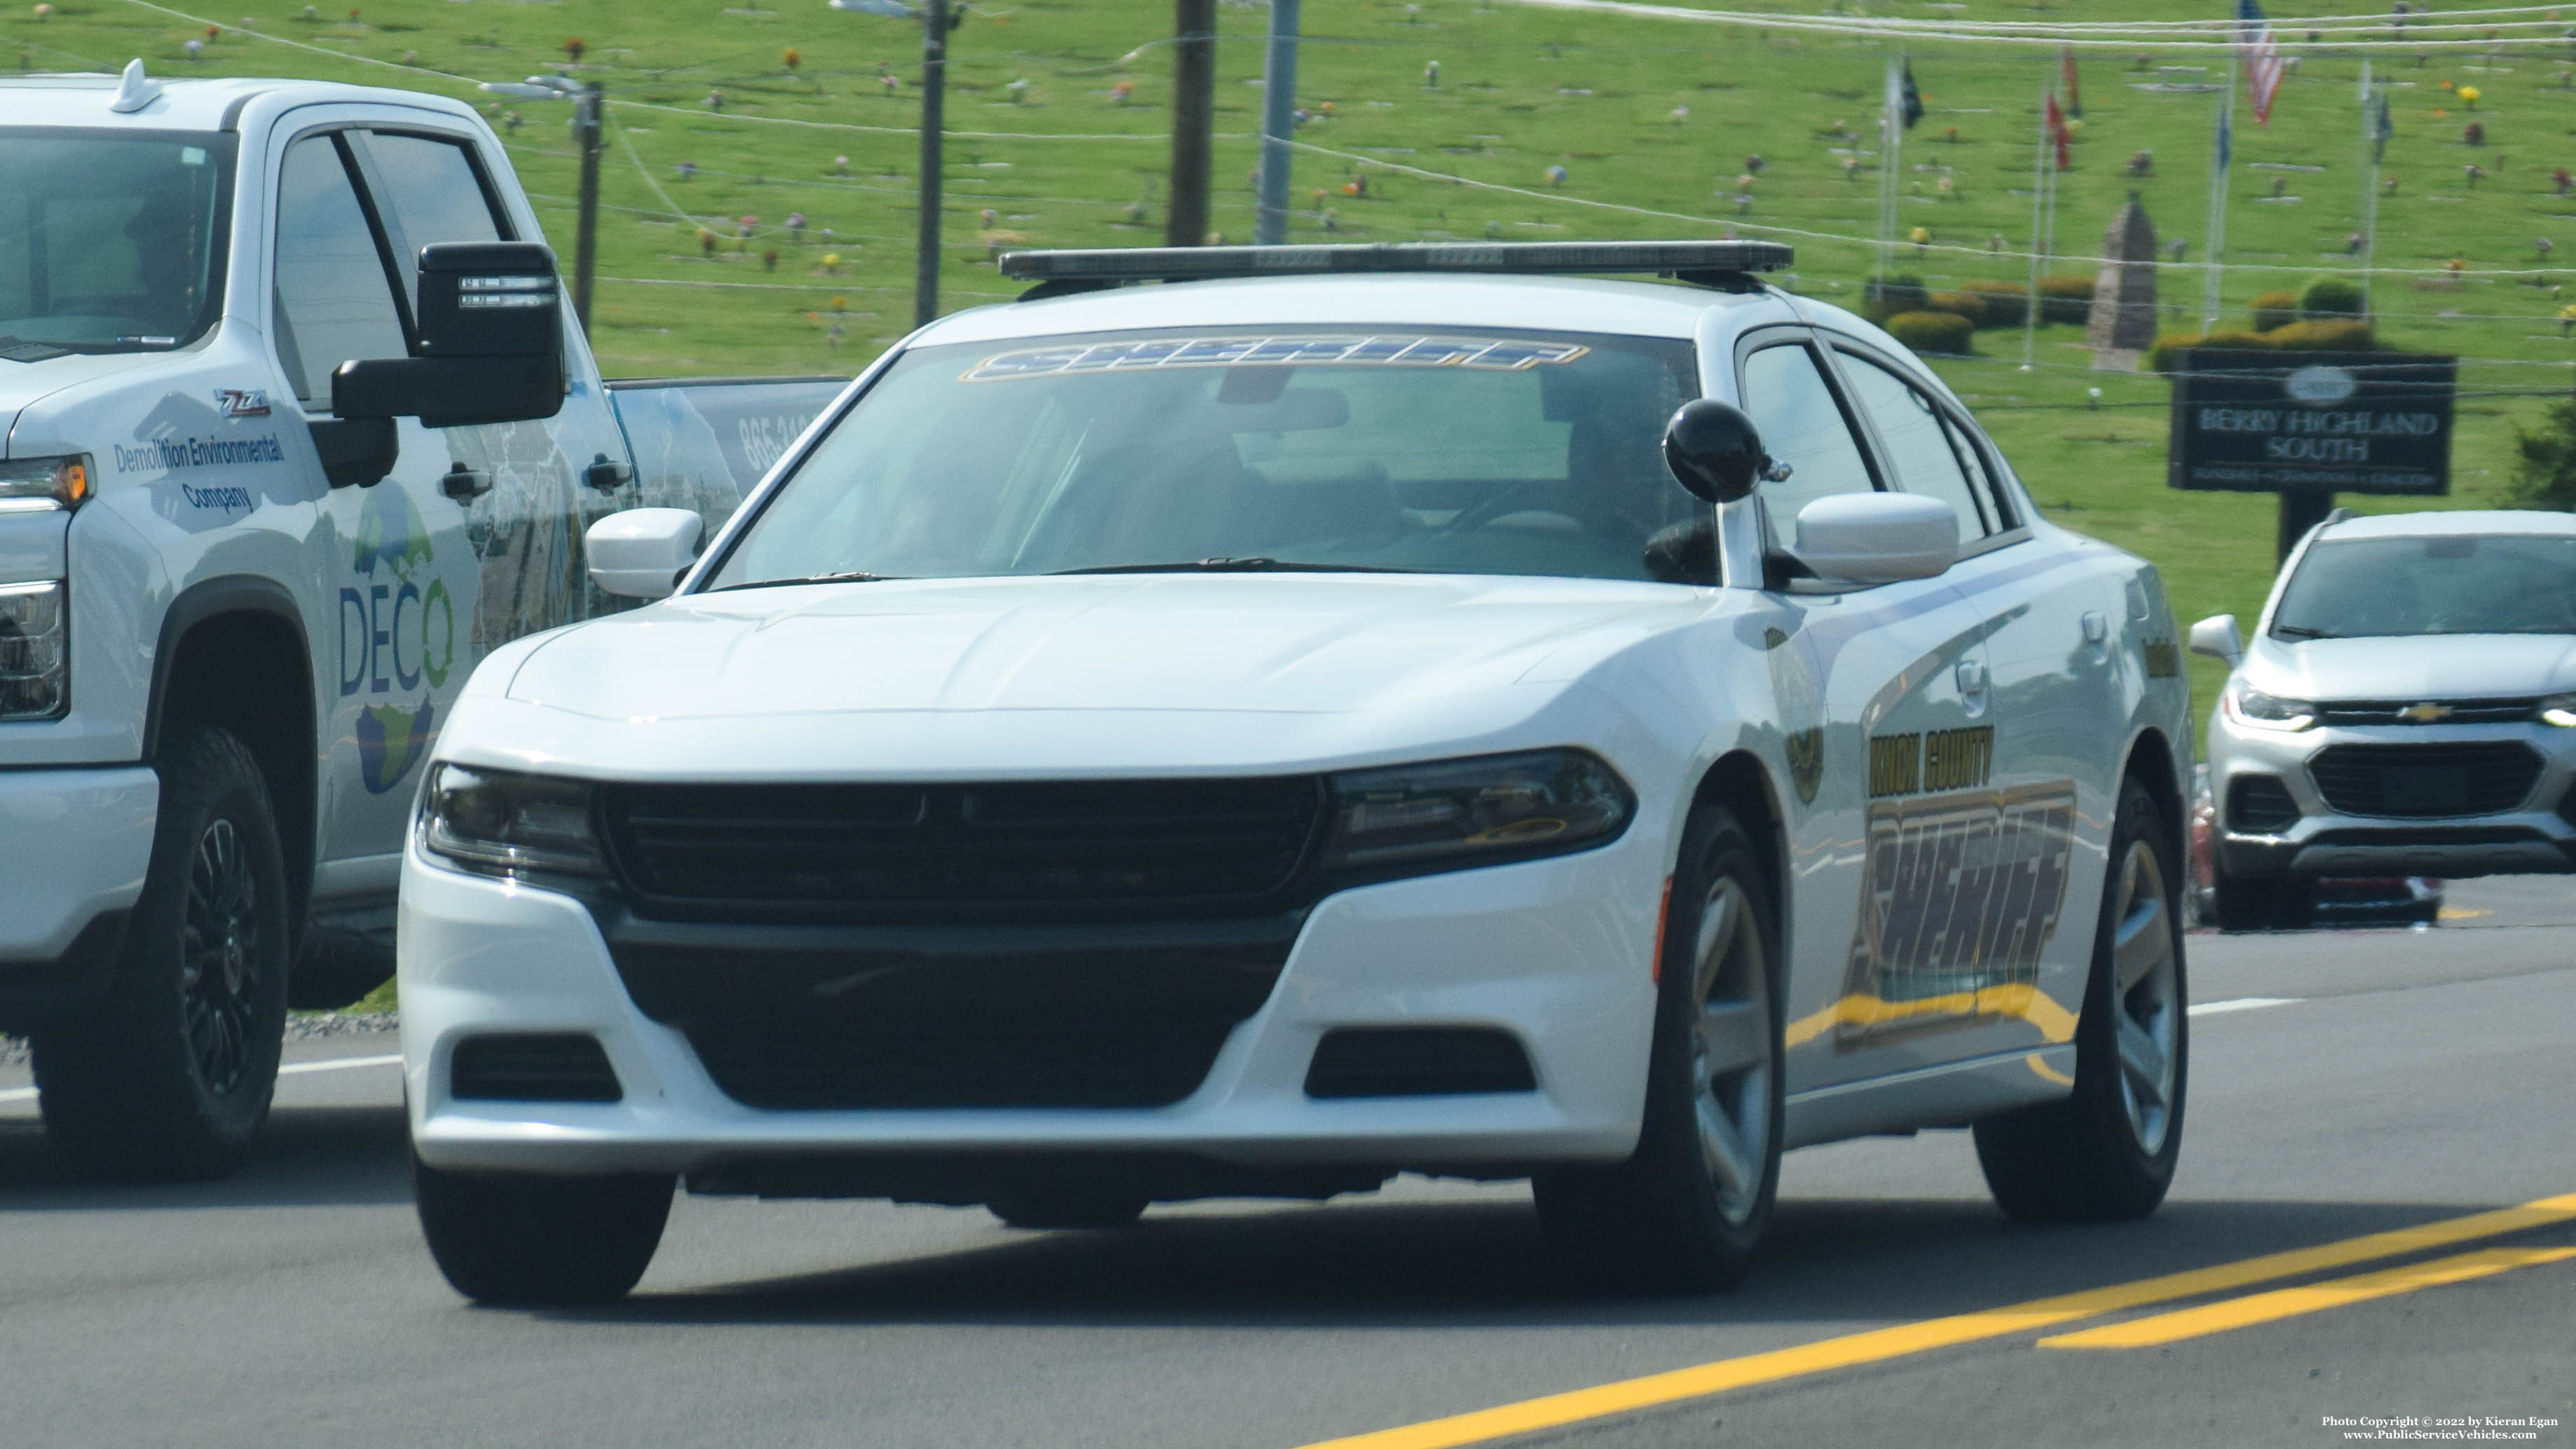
<point x="1716" y="452"/>
<point x="641" y="553"/>
<point x="1877" y="538"/>
<point x="2216" y="637"/>
<point x="490" y="350"/>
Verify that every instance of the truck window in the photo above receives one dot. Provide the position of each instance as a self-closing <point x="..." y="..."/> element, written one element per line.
<point x="111" y="243"/>
<point x="333" y="304"/>
<point x="431" y="194"/>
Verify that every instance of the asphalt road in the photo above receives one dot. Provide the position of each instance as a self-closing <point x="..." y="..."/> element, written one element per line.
<point x="2399" y="1080"/>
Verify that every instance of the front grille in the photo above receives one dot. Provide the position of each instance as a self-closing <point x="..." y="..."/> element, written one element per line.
<point x="962" y="1063"/>
<point x="1395" y="1061"/>
<point x="2392" y="711"/>
<point x="2260" y="804"/>
<point x="532" y="1067"/>
<point x="2415" y="781"/>
<point x="757" y="851"/>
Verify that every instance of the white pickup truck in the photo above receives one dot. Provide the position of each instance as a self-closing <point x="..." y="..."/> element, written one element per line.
<point x="295" y="431"/>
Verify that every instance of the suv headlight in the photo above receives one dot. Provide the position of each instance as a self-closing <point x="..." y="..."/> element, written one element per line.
<point x="503" y="823"/>
<point x="2250" y="706"/>
<point x="1456" y="814"/>
<point x="2559" y="710"/>
<point x="41" y="485"/>
<point x="35" y="667"/>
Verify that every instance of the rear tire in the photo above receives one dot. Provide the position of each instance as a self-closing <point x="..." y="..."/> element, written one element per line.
<point x="2264" y="903"/>
<point x="527" y="1240"/>
<point x="2106" y="1152"/>
<point x="1688" y="1209"/>
<point x="170" y="1079"/>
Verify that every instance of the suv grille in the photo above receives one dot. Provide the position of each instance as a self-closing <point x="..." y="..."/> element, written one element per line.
<point x="2415" y="781"/>
<point x="755" y="851"/>
<point x="2392" y="711"/>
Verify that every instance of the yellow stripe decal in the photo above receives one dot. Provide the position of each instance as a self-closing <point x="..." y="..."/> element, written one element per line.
<point x="1880" y="1344"/>
<point x="2055" y="1022"/>
<point x="2314" y="1298"/>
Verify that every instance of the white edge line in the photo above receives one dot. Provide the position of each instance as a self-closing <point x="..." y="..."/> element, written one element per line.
<point x="28" y="1094"/>
<point x="2242" y="1003"/>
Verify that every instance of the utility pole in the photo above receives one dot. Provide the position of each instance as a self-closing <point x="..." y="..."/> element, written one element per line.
<point x="585" y="246"/>
<point x="1278" y="122"/>
<point x="935" y="25"/>
<point x="1193" y="120"/>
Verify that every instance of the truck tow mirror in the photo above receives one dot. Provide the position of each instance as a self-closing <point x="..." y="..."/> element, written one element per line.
<point x="489" y="349"/>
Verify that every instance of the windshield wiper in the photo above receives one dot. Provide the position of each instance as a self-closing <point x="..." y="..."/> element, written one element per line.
<point x="854" y="576"/>
<point x="2302" y="631"/>
<point x="1252" y="565"/>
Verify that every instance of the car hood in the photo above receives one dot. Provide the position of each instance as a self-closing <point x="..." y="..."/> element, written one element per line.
<point x="22" y="383"/>
<point x="2443" y="666"/>
<point x="1293" y="644"/>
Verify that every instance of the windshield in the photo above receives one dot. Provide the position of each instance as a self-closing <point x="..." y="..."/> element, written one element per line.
<point x="1460" y="451"/>
<point x="111" y="241"/>
<point x="2452" y="583"/>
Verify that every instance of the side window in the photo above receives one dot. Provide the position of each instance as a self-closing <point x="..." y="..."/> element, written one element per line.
<point x="1919" y="443"/>
<point x="1789" y="401"/>
<point x="333" y="303"/>
<point x="430" y="194"/>
<point x="1975" y="454"/>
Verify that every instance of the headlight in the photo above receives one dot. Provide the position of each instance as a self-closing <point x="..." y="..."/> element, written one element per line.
<point x="41" y="485"/>
<point x="35" y="668"/>
<point x="500" y="822"/>
<point x="2559" y="710"/>
<point x="2248" y="706"/>
<point x="1454" y="814"/>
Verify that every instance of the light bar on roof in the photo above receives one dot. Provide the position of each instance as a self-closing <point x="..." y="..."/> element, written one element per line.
<point x="1688" y="259"/>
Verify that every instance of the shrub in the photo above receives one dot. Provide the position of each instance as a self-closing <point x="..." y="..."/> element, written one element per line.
<point x="2330" y="297"/>
<point x="2162" y="357"/>
<point x="1884" y="297"/>
<point x="2544" y="472"/>
<point x="2066" y="299"/>
<point x="1931" y="331"/>
<point x="2007" y="303"/>
<point x="1963" y="304"/>
<point x="2275" y="309"/>
<point x="2343" y="335"/>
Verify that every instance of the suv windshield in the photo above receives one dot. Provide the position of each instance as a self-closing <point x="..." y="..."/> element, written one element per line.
<point x="111" y="241"/>
<point x="1450" y="451"/>
<point x="2449" y="583"/>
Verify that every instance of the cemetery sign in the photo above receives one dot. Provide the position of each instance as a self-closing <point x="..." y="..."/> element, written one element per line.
<point x="2250" y="421"/>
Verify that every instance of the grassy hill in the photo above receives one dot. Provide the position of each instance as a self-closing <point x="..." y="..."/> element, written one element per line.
<point x="1651" y="120"/>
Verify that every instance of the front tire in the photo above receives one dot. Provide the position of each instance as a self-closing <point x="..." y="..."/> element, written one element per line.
<point x="171" y="1078"/>
<point x="1688" y="1209"/>
<point x="525" y="1240"/>
<point x="2106" y="1152"/>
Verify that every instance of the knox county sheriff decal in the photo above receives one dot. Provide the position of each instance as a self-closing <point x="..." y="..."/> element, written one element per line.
<point x="1964" y="883"/>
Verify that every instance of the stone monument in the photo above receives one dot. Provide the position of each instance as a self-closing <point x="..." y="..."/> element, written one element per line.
<point x="2122" y="323"/>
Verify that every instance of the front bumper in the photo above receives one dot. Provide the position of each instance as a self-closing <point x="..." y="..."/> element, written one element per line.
<point x="2537" y="836"/>
<point x="74" y="847"/>
<point x="1555" y="952"/>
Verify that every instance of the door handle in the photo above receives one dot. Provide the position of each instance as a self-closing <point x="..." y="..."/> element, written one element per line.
<point x="1972" y="677"/>
<point x="2096" y="628"/>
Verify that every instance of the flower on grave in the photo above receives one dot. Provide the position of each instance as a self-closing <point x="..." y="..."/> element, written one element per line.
<point x="1493" y="228"/>
<point x="2388" y="186"/>
<point x="747" y="224"/>
<point x="2280" y="184"/>
<point x="1431" y="74"/>
<point x="2474" y="173"/>
<point x="1135" y="213"/>
<point x="1556" y="176"/>
<point x="2142" y="163"/>
<point x="2141" y="61"/>
<point x="1119" y="93"/>
<point x="1325" y="110"/>
<point x="2562" y="181"/>
<point x="44" y="12"/>
<point x="688" y="169"/>
<point x="840" y="303"/>
<point x="2544" y="246"/>
<point x="353" y="15"/>
<point x="1755" y="164"/>
<point x="1994" y="241"/>
<point x="309" y="13"/>
<point x="2446" y="85"/>
<point x="1216" y="238"/>
<point x="1300" y="116"/>
<point x="789" y="58"/>
<point x="715" y="100"/>
<point x="1950" y="134"/>
<point x="2353" y="244"/>
<point x="574" y="45"/>
<point x="1680" y="114"/>
<point x="890" y="83"/>
<point x="1019" y="90"/>
<point x="193" y="46"/>
<point x="1332" y="220"/>
<point x="1921" y="236"/>
<point x="2455" y="266"/>
<point x="1851" y="168"/>
<point x="2474" y="133"/>
<point x="831" y="261"/>
<point x="2469" y="96"/>
<point x="987" y="216"/>
<point x="769" y="260"/>
<point x="841" y="164"/>
<point x="1744" y="182"/>
<point x="510" y="122"/>
<point x="1948" y="188"/>
<point x="2566" y="320"/>
<point x="707" y="242"/>
<point x="214" y="32"/>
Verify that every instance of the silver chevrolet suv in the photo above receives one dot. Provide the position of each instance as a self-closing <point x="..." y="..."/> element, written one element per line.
<point x="2407" y="707"/>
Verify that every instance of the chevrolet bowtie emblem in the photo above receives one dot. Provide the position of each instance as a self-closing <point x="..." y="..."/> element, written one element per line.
<point x="2425" y="713"/>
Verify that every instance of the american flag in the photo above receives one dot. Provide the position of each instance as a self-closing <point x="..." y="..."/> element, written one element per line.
<point x="2262" y="58"/>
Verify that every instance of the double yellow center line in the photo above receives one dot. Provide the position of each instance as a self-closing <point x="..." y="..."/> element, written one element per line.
<point x="1879" y="1345"/>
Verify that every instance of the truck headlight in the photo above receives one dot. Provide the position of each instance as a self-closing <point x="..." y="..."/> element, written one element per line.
<point x="35" y="667"/>
<point x="1455" y="814"/>
<point x="2250" y="706"/>
<point x="503" y="823"/>
<point x="41" y="485"/>
<point x="2559" y="710"/>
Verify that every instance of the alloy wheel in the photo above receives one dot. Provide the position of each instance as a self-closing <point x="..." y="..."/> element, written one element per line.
<point x="2146" y="1009"/>
<point x="221" y="956"/>
<point x="1731" y="1049"/>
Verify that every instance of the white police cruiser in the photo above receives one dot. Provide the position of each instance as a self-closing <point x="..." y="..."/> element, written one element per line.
<point x="1336" y="712"/>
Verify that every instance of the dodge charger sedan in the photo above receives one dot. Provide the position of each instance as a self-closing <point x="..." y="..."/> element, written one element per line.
<point x="1251" y="722"/>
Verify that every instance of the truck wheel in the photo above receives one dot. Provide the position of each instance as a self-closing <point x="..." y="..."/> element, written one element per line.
<point x="519" y="1238"/>
<point x="2264" y="903"/>
<point x="1688" y="1208"/>
<point x="2106" y="1152"/>
<point x="171" y="1077"/>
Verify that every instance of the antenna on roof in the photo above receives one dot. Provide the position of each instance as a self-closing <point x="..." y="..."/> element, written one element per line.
<point x="136" y="91"/>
